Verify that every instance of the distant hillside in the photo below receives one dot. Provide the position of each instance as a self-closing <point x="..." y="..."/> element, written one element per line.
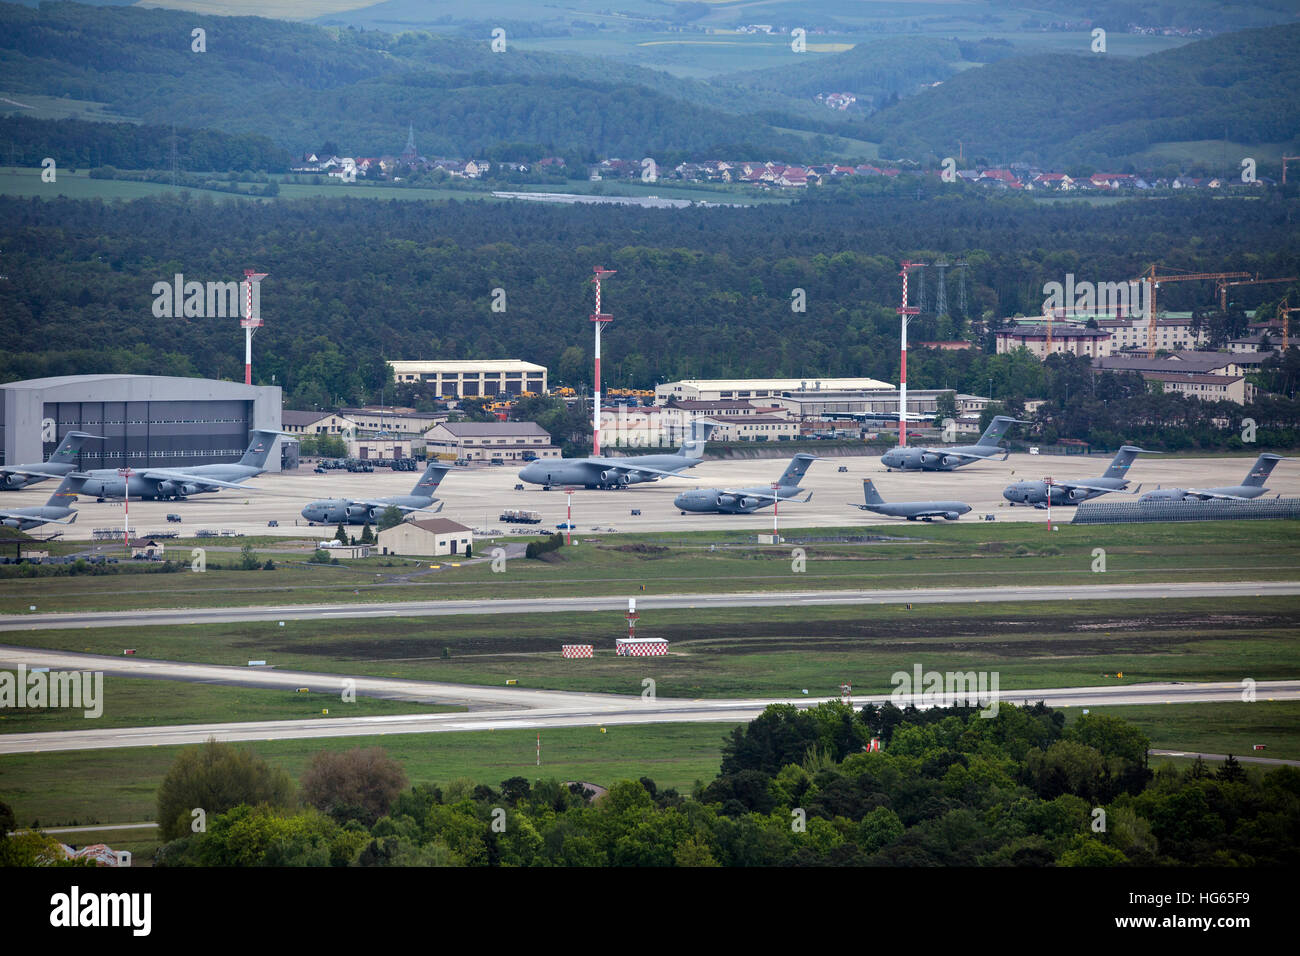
<point x="1100" y="109"/>
<point x="899" y="65"/>
<point x="301" y="84"/>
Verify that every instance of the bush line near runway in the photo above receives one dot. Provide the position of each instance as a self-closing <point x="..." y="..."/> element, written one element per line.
<point x="118" y="786"/>
<point x="953" y="556"/>
<point x="143" y="702"/>
<point x="769" y="652"/>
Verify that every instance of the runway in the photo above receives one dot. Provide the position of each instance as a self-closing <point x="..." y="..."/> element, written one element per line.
<point x="584" y="710"/>
<point x="476" y="496"/>
<point x="755" y="599"/>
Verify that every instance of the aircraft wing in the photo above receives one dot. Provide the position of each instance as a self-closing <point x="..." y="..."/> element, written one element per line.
<point x="1215" y="494"/>
<point x="1068" y="485"/>
<point x="34" y="472"/>
<point x="154" y="474"/>
<point x="389" y="504"/>
<point x="766" y="497"/>
<point x="19" y="516"/>
<point x="613" y="464"/>
<point x="963" y="454"/>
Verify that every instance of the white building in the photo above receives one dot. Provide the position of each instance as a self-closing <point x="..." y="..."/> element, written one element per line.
<point x="471" y="379"/>
<point x="708" y="390"/>
<point x="427" y="537"/>
<point x="485" y="441"/>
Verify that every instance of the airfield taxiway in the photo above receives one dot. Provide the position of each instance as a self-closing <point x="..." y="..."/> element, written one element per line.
<point x="476" y="496"/>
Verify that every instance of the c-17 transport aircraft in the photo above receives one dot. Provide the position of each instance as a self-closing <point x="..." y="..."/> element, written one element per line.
<point x="911" y="510"/>
<point x="57" y="510"/>
<point x="62" y="461"/>
<point x="736" y="501"/>
<point x="152" y="483"/>
<point x="1252" y="487"/>
<point x="1066" y="492"/>
<point x="946" y="459"/>
<point x="359" y="511"/>
<point x="603" y="472"/>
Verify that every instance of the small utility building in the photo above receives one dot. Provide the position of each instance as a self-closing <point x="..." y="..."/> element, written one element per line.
<point x="427" y="536"/>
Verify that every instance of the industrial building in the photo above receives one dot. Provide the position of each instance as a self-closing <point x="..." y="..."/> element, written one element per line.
<point x="1064" y="339"/>
<point x="484" y="441"/>
<point x="712" y="390"/>
<point x="146" y="420"/>
<point x="427" y="537"/>
<point x="474" y="378"/>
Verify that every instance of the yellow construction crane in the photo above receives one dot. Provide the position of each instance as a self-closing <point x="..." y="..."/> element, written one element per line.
<point x="1153" y="282"/>
<point x="1223" y="287"/>
<point x="1284" y="310"/>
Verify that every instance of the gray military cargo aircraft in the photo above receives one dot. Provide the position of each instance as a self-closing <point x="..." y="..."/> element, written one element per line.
<point x="150" y="483"/>
<point x="911" y="510"/>
<point x="57" y="510"/>
<point x="737" y="501"/>
<point x="62" y="461"/>
<point x="1252" y="487"/>
<point x="1072" y="492"/>
<point x="359" y="511"/>
<point x="946" y="459"/>
<point x="619" y="472"/>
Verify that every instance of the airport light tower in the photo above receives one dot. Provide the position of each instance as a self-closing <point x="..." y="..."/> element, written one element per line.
<point x="600" y="319"/>
<point x="252" y="319"/>
<point x="905" y="312"/>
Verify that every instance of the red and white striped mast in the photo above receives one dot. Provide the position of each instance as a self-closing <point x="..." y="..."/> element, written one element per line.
<point x="600" y="319"/>
<point x="252" y="319"/>
<point x="906" y="313"/>
<point x="126" y="474"/>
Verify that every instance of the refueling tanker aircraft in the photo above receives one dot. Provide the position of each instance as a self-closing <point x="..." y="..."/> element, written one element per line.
<point x="359" y="511"/>
<point x="1066" y="492"/>
<point x="150" y="483"/>
<point x="946" y="459"/>
<point x="911" y="510"/>
<point x="62" y="461"/>
<point x="57" y="510"/>
<point x="1252" y="487"/>
<point x="735" y="501"/>
<point x="604" y="472"/>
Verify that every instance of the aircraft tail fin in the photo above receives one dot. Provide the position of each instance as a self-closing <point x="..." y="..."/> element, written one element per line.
<point x="69" y="447"/>
<point x="66" y="493"/>
<point x="1120" y="463"/>
<point x="870" y="493"/>
<point x="431" y="478"/>
<point x="259" y="448"/>
<point x="1260" y="471"/>
<point x="693" y="447"/>
<point x="997" y="428"/>
<point x="795" y="471"/>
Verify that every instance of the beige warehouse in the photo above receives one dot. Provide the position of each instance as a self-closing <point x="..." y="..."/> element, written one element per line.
<point x="427" y="537"/>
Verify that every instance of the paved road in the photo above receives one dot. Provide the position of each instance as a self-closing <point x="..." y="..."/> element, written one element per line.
<point x="884" y="596"/>
<point x="516" y="708"/>
<point x="1213" y="757"/>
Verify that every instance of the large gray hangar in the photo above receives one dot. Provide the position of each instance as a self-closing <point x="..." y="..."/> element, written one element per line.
<point x="147" y="420"/>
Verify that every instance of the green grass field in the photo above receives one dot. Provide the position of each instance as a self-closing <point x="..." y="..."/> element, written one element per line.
<point x="739" y="652"/>
<point x="119" y="786"/>
<point x="972" y="555"/>
<point x="140" y="702"/>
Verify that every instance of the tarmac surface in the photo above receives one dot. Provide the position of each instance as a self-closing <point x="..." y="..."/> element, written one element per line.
<point x="476" y="496"/>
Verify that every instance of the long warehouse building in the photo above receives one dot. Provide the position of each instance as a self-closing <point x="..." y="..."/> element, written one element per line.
<point x="146" y="420"/>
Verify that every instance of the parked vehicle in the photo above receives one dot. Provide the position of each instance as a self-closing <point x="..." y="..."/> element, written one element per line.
<point x="273" y="523"/>
<point x="174" y="518"/>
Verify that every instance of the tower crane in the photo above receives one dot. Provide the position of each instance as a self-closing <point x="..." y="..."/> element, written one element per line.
<point x="1153" y="280"/>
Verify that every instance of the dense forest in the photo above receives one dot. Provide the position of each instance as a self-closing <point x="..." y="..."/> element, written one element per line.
<point x="301" y="84"/>
<point x="1102" y="109"/>
<point x="950" y="787"/>
<point x="699" y="292"/>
